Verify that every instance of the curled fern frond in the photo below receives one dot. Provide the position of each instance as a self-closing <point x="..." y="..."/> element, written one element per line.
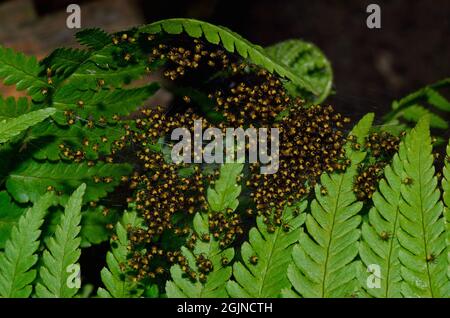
<point x="324" y="262"/>
<point x="423" y="255"/>
<point x="63" y="250"/>
<point x="10" y="128"/>
<point x="231" y="42"/>
<point x="114" y="277"/>
<point x="266" y="277"/>
<point x="19" y="257"/>
<point x="308" y="62"/>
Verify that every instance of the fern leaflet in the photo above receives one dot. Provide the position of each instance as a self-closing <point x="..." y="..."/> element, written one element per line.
<point x="16" y="262"/>
<point x="267" y="278"/>
<point x="379" y="244"/>
<point x="214" y="287"/>
<point x="114" y="278"/>
<point x="324" y="259"/>
<point x="31" y="179"/>
<point x="93" y="38"/>
<point x="63" y="250"/>
<point x="446" y="199"/>
<point x="21" y="70"/>
<point x="423" y="257"/>
<point x="224" y="195"/>
<point x="10" y="128"/>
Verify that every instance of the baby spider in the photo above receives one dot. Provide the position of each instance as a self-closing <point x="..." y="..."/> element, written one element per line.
<point x="385" y="236"/>
<point x="407" y="181"/>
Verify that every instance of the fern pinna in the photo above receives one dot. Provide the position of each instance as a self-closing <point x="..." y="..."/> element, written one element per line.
<point x="85" y="161"/>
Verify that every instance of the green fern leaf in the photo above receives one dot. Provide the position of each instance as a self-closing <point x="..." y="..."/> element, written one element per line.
<point x="12" y="108"/>
<point x="420" y="103"/>
<point x="379" y="243"/>
<point x="44" y="140"/>
<point x="102" y="65"/>
<point x="214" y="287"/>
<point x="31" y="179"/>
<point x="63" y="250"/>
<point x="64" y="61"/>
<point x="21" y="70"/>
<point x="446" y="199"/>
<point x="226" y="192"/>
<point x="94" y="38"/>
<point x="306" y="61"/>
<point x="423" y="257"/>
<point x="231" y="42"/>
<point x="324" y="259"/>
<point x="414" y="112"/>
<point x="9" y="216"/>
<point x="100" y="103"/>
<point x="12" y="127"/>
<point x="114" y="278"/>
<point x="16" y="273"/>
<point x="267" y="278"/>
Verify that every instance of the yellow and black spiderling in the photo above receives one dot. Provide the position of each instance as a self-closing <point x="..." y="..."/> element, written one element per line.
<point x="166" y="195"/>
<point x="367" y="180"/>
<point x="381" y="147"/>
<point x="311" y="142"/>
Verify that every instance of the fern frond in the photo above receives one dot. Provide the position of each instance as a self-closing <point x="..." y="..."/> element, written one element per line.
<point x="231" y="42"/>
<point x="31" y="179"/>
<point x="214" y="287"/>
<point x="21" y="70"/>
<point x="16" y="262"/>
<point x="104" y="103"/>
<point x="379" y="244"/>
<point x="93" y="38"/>
<point x="9" y="216"/>
<point x="114" y="278"/>
<point x="413" y="113"/>
<point x="423" y="254"/>
<point x="10" y="128"/>
<point x="306" y="61"/>
<point x="12" y="108"/>
<point x="267" y="278"/>
<point x="44" y="140"/>
<point x="64" y="61"/>
<point x="324" y="259"/>
<point x="63" y="250"/>
<point x="446" y="199"/>
<point x="425" y="101"/>
<point x="226" y="191"/>
<point x="103" y="65"/>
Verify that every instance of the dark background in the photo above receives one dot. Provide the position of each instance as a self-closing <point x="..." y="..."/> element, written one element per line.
<point x="372" y="67"/>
